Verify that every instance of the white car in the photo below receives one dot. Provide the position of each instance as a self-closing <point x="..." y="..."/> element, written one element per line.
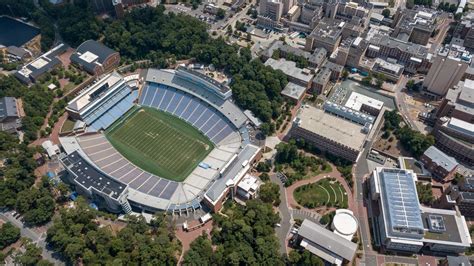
<point x="278" y="225"/>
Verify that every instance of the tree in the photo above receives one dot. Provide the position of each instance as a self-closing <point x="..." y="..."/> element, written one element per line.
<point x="345" y="74"/>
<point x="246" y="235"/>
<point x="327" y="218"/>
<point x="380" y="79"/>
<point x="220" y="14"/>
<point x="31" y="256"/>
<point x="270" y="193"/>
<point x="200" y="252"/>
<point x="425" y="193"/>
<point x="9" y="234"/>
<point x="367" y="80"/>
<point x="76" y="235"/>
<point x="386" y="13"/>
<point x="303" y="257"/>
<point x="411" y="84"/>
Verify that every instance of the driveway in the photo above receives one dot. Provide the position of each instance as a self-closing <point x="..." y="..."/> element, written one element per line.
<point x="285" y="215"/>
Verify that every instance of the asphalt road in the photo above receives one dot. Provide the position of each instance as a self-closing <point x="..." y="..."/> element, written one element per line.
<point x="285" y="215"/>
<point x="38" y="239"/>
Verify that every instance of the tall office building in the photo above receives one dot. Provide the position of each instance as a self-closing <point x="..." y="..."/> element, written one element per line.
<point x="287" y="5"/>
<point x="272" y="9"/>
<point x="447" y="69"/>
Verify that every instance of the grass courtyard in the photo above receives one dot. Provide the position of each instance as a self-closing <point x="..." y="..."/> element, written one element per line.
<point x="159" y="143"/>
<point x="322" y="193"/>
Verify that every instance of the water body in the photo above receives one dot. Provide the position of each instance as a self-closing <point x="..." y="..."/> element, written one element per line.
<point x="13" y="32"/>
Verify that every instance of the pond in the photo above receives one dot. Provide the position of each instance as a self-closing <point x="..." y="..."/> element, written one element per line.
<point x="16" y="33"/>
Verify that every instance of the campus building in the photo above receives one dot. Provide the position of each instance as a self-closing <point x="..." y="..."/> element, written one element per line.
<point x="337" y="135"/>
<point x="330" y="246"/>
<point x="95" y="58"/>
<point x="447" y="69"/>
<point x="46" y="62"/>
<point x="10" y="115"/>
<point x="441" y="165"/>
<point x="454" y="128"/>
<point x="327" y="34"/>
<point x="299" y="76"/>
<point x="402" y="224"/>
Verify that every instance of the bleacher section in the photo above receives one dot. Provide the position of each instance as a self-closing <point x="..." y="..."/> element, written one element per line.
<point x="108" y="113"/>
<point x="193" y="110"/>
<point x="103" y="102"/>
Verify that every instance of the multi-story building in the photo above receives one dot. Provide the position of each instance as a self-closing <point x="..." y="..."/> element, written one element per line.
<point x="321" y="80"/>
<point x="95" y="58"/>
<point x="456" y="138"/>
<point x="299" y="76"/>
<point x="272" y="9"/>
<point x="391" y="71"/>
<point x="315" y="59"/>
<point x="329" y="133"/>
<point x="447" y="69"/>
<point x="459" y="102"/>
<point x="327" y="34"/>
<point x="460" y="196"/>
<point x="415" y="25"/>
<point x="404" y="225"/>
<point x="35" y="69"/>
<point x="414" y="57"/>
<point x="454" y="129"/>
<point x="10" y="115"/>
<point x="441" y="165"/>
<point x="336" y="70"/>
<point x="357" y="50"/>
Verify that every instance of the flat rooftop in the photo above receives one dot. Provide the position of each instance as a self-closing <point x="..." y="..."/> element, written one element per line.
<point x="89" y="177"/>
<point x="293" y="91"/>
<point x="441" y="158"/>
<point x="356" y="100"/>
<point x="89" y="94"/>
<point x="290" y="69"/>
<point x="450" y="227"/>
<point x="331" y="127"/>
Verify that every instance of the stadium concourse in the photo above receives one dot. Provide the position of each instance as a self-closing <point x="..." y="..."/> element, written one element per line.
<point x="185" y="94"/>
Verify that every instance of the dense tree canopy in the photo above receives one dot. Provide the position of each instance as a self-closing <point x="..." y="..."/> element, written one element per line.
<point x="76" y="235"/>
<point x="245" y="235"/>
<point x="270" y="193"/>
<point x="304" y="258"/>
<point x="9" y="234"/>
<point x="18" y="169"/>
<point x="413" y="141"/>
<point x="149" y="33"/>
<point x="37" y="205"/>
<point x="36" y="102"/>
<point x="31" y="256"/>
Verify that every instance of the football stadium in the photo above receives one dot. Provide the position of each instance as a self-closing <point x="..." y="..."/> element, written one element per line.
<point x="164" y="140"/>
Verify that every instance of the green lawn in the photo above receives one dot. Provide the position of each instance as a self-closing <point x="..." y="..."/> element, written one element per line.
<point x="68" y="126"/>
<point x="159" y="143"/>
<point x="321" y="193"/>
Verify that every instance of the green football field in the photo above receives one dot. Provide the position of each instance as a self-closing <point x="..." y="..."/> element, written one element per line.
<point x="159" y="143"/>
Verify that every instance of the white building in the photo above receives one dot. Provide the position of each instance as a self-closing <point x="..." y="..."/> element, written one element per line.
<point x="345" y="224"/>
<point x="404" y="225"/>
<point x="248" y="187"/>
